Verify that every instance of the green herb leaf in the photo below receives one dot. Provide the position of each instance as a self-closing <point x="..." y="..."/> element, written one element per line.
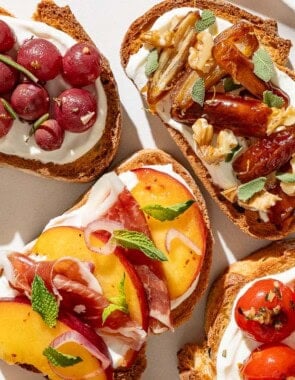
<point x="58" y="359"/>
<point x="247" y="190"/>
<point x="263" y="65"/>
<point x="230" y="85"/>
<point x="138" y="240"/>
<point x="198" y="91"/>
<point x="272" y="100"/>
<point x="233" y="152"/>
<point x="286" y="177"/>
<point x="118" y="303"/>
<point x="152" y="62"/>
<point x="207" y="19"/>
<point x="167" y="213"/>
<point x="43" y="302"/>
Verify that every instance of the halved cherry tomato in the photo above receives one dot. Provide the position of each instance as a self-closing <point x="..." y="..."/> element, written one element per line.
<point x="269" y="362"/>
<point x="266" y="312"/>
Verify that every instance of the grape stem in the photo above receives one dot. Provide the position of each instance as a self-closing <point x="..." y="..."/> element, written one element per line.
<point x="8" y="108"/>
<point x="17" y="66"/>
<point x="37" y="124"/>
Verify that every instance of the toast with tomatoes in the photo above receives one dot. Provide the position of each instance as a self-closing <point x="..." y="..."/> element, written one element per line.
<point x="131" y="258"/>
<point x="249" y="309"/>
<point x="215" y="76"/>
<point x="70" y="161"/>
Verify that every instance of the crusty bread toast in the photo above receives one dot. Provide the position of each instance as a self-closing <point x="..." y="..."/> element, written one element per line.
<point x="266" y="32"/>
<point x="96" y="160"/>
<point x="149" y="157"/>
<point x="199" y="361"/>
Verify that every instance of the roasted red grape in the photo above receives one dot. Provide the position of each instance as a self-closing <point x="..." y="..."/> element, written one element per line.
<point x="30" y="101"/>
<point x="81" y="64"/>
<point x="7" y="38"/>
<point x="6" y="121"/>
<point x="75" y="110"/>
<point x="40" y="57"/>
<point x="8" y="77"/>
<point x="49" y="135"/>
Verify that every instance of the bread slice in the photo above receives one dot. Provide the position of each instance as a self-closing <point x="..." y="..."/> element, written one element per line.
<point x="150" y="157"/>
<point x="266" y="31"/>
<point x="98" y="158"/>
<point x="199" y="361"/>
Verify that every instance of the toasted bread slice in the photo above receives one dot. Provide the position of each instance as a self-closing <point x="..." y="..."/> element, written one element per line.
<point x="199" y="361"/>
<point x="266" y="31"/>
<point x="146" y="158"/>
<point x="98" y="158"/>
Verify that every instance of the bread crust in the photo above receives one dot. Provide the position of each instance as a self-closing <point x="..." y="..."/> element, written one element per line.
<point x="274" y="258"/>
<point x="97" y="159"/>
<point x="266" y="31"/>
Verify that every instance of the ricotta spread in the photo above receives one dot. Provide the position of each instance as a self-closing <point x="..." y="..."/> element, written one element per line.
<point x="74" y="145"/>
<point x="235" y="347"/>
<point x="222" y="174"/>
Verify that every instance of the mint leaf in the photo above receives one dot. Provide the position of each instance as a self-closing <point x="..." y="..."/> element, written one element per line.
<point x="286" y="177"/>
<point x="138" y="240"/>
<point x="152" y="62"/>
<point x="58" y="359"/>
<point x="247" y="190"/>
<point x="43" y="302"/>
<point x="207" y="19"/>
<point x="198" y="91"/>
<point x="233" y="152"/>
<point x="118" y="303"/>
<point x="272" y="100"/>
<point x="230" y="85"/>
<point x="169" y="212"/>
<point x="263" y="65"/>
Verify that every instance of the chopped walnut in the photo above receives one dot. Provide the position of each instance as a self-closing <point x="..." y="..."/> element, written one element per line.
<point x="210" y="152"/>
<point x="200" y="56"/>
<point x="289" y="188"/>
<point x="261" y="201"/>
<point x="280" y="118"/>
<point x="231" y="194"/>
<point x="158" y="39"/>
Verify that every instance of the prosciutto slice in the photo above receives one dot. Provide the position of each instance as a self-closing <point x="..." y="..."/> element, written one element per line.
<point x="125" y="212"/>
<point x="77" y="290"/>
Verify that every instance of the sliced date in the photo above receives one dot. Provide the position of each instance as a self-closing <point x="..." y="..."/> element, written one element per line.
<point x="266" y="155"/>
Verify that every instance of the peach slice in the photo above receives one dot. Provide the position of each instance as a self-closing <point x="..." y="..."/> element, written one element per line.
<point x="183" y="265"/>
<point x="24" y="336"/>
<point x="63" y="241"/>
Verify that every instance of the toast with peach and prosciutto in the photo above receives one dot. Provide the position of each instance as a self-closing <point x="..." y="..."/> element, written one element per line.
<point x="82" y="156"/>
<point x="214" y="75"/>
<point x="132" y="257"/>
<point x="228" y="350"/>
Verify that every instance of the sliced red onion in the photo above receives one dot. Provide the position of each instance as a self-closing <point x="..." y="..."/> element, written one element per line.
<point x="131" y="335"/>
<point x="76" y="337"/>
<point x="101" y="225"/>
<point x="176" y="234"/>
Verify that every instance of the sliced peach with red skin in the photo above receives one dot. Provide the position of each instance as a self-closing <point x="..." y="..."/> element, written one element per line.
<point x="64" y="241"/>
<point x="184" y="264"/>
<point x="24" y="336"/>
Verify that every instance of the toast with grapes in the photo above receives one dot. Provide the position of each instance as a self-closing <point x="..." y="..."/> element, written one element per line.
<point x="249" y="320"/>
<point x="60" y="110"/>
<point x="215" y="76"/>
<point x="130" y="259"/>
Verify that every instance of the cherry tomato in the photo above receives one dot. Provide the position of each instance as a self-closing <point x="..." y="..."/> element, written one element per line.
<point x="269" y="362"/>
<point x="266" y="312"/>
